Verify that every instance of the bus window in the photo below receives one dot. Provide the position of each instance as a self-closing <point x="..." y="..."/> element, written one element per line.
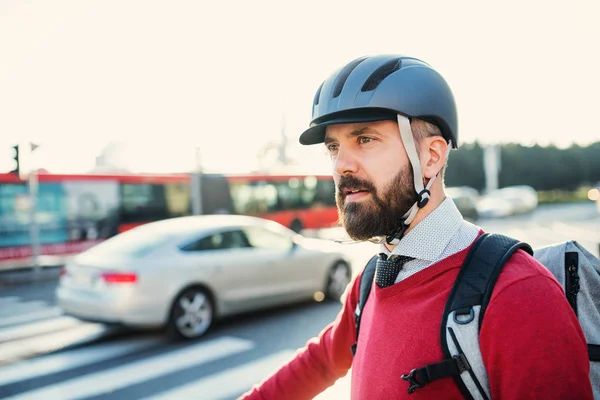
<point x="297" y="193"/>
<point x="177" y="199"/>
<point x="241" y="193"/>
<point x="291" y="193"/>
<point x="255" y="198"/>
<point x="143" y="202"/>
<point x="51" y="210"/>
<point x="325" y="192"/>
<point x="14" y="217"/>
<point x="310" y="191"/>
<point x="92" y="209"/>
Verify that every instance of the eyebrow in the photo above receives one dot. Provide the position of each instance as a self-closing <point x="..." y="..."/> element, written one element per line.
<point x="357" y="132"/>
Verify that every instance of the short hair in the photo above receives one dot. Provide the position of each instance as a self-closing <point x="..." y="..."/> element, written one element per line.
<point x="422" y="129"/>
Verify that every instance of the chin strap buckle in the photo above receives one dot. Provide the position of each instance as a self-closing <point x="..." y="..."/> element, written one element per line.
<point x="424" y="196"/>
<point x="394" y="237"/>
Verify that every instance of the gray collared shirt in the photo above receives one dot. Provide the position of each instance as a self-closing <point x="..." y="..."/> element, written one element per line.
<point x="439" y="235"/>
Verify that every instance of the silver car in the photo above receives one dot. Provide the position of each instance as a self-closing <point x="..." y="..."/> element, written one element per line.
<point x="183" y="273"/>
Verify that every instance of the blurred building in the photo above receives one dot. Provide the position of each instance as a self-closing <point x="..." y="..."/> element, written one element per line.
<point x="112" y="159"/>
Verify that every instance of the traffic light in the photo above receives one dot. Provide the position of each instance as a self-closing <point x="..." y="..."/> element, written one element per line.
<point x="17" y="168"/>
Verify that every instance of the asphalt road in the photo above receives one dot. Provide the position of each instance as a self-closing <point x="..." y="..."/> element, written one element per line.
<point x="46" y="355"/>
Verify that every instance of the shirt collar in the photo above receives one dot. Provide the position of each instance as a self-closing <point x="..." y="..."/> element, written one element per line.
<point x="428" y="239"/>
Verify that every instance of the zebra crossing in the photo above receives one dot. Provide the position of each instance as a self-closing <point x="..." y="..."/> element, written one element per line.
<point x="127" y="379"/>
<point x="40" y="361"/>
<point x="32" y="327"/>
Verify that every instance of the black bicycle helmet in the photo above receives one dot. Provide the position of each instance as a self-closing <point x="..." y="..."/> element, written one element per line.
<point x="388" y="87"/>
<point x="379" y="88"/>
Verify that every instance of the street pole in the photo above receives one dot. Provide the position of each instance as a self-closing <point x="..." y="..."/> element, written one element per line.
<point x="283" y="159"/>
<point x="34" y="230"/>
<point x="491" y="166"/>
<point x="196" y="185"/>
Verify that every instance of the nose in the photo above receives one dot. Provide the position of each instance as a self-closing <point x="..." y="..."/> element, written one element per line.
<point x="345" y="162"/>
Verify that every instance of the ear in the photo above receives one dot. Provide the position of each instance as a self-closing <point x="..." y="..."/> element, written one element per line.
<point x="434" y="150"/>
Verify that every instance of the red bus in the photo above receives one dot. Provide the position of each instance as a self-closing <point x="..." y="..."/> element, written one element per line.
<point x="74" y="212"/>
<point x="296" y="201"/>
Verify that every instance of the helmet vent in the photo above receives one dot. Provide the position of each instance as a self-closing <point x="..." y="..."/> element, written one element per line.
<point x="344" y="74"/>
<point x="381" y="73"/>
<point x="318" y="94"/>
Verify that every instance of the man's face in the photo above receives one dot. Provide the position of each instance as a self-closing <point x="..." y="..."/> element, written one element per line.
<point x="373" y="177"/>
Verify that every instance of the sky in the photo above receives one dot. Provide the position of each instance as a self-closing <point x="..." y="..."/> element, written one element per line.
<point x="175" y="84"/>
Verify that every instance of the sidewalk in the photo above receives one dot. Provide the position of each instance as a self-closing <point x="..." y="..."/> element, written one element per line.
<point x="23" y="272"/>
<point x="28" y="275"/>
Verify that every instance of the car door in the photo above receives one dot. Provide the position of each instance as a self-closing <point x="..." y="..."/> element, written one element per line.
<point x="231" y="267"/>
<point x="275" y="250"/>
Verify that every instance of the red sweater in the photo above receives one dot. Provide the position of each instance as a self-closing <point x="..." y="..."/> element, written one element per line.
<point x="531" y="342"/>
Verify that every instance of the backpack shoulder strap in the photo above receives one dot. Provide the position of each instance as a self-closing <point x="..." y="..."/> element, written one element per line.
<point x="366" y="281"/>
<point x="479" y="273"/>
<point x="462" y="318"/>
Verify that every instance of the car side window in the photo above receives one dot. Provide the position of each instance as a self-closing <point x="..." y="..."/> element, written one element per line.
<point x="265" y="239"/>
<point x="219" y="241"/>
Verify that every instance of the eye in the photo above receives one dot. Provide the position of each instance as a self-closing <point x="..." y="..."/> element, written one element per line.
<point x="364" y="139"/>
<point x="332" y="148"/>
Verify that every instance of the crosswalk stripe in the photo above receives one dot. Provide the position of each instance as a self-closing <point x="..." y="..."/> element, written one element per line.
<point x="140" y="371"/>
<point x="71" y="359"/>
<point x="16" y="308"/>
<point x="37" y="328"/>
<point x="24" y="348"/>
<point x="230" y="382"/>
<point x="36" y="315"/>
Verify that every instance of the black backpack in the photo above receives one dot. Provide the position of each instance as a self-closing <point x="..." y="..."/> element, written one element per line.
<point x="575" y="268"/>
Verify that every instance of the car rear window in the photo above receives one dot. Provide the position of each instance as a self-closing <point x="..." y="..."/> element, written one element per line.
<point x="130" y="244"/>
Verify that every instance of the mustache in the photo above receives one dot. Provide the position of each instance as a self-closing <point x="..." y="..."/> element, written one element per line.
<point x="352" y="182"/>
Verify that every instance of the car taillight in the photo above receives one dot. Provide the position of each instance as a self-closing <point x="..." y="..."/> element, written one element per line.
<point x="119" y="277"/>
<point x="63" y="271"/>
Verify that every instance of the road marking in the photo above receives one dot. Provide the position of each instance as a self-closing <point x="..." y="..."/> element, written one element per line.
<point x="71" y="359"/>
<point x="34" y="316"/>
<point x="231" y="382"/>
<point x="38" y="328"/>
<point x="139" y="371"/>
<point x="18" y="349"/>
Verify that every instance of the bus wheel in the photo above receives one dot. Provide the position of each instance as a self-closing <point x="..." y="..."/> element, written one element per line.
<point x="338" y="278"/>
<point x="296" y="226"/>
<point x="191" y="315"/>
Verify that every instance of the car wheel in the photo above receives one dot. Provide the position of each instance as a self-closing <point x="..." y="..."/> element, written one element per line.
<point x="191" y="315"/>
<point x="338" y="278"/>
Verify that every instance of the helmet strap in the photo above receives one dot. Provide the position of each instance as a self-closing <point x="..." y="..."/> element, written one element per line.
<point x="423" y="192"/>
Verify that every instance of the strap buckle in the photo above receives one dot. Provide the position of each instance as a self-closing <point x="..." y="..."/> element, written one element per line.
<point x="461" y="363"/>
<point x="397" y="234"/>
<point x="413" y="383"/>
<point x="423" y="198"/>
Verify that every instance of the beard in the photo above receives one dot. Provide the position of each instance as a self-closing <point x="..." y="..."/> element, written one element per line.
<point x="380" y="214"/>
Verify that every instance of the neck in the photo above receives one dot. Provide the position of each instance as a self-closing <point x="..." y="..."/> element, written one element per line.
<point x="437" y="197"/>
